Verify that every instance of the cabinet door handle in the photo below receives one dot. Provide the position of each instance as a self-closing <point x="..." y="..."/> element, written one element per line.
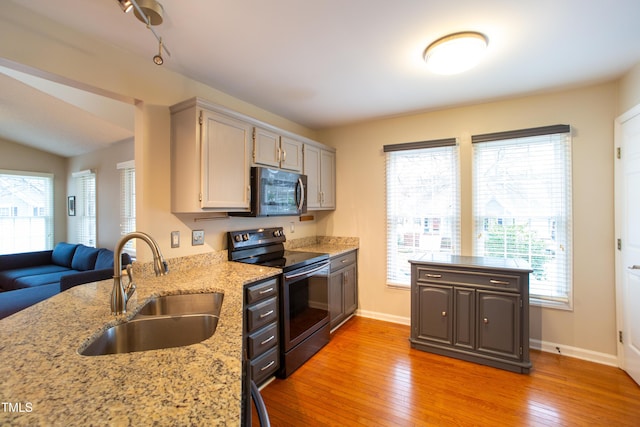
<point x="284" y="155"/>
<point x="268" y="313"/>
<point x="498" y="282"/>
<point x="434" y="276"/>
<point x="268" y="366"/>
<point x="271" y="338"/>
<point x="444" y="314"/>
<point x="486" y="321"/>
<point x="265" y="291"/>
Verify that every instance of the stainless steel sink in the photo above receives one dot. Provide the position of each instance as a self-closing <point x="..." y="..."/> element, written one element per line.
<point x="173" y="305"/>
<point x="153" y="333"/>
<point x="163" y="322"/>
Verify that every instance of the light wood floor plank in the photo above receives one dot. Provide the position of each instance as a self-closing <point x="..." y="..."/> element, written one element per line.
<point x="368" y="375"/>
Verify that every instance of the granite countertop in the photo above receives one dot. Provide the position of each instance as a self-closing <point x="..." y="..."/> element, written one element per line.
<point x="460" y="261"/>
<point x="47" y="382"/>
<point x="334" y="246"/>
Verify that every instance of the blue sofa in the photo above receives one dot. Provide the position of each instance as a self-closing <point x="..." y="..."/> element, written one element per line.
<point x="31" y="277"/>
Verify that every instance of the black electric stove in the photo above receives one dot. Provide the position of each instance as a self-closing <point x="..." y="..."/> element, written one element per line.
<point x="303" y="291"/>
<point x="265" y="246"/>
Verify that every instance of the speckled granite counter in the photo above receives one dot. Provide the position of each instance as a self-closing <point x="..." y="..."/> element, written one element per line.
<point x="47" y="382"/>
<point x="333" y="246"/>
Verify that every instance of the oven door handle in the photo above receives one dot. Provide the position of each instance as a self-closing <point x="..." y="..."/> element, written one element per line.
<point x="305" y="273"/>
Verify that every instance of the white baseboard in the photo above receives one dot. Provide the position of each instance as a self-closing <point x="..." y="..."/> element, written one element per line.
<point x="549" y="347"/>
<point x="383" y="316"/>
<point x="578" y="353"/>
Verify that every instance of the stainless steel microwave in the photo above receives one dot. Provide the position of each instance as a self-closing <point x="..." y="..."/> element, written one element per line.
<point x="276" y="192"/>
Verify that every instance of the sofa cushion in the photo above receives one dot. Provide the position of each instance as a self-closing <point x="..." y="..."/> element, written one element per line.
<point x="14" y="301"/>
<point x="41" y="279"/>
<point x="84" y="258"/>
<point x="9" y="277"/>
<point x="63" y="254"/>
<point x="104" y="259"/>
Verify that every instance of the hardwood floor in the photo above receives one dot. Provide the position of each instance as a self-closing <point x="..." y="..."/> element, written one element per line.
<point x="369" y="375"/>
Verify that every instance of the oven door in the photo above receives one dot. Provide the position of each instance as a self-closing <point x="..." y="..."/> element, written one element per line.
<point x="305" y="303"/>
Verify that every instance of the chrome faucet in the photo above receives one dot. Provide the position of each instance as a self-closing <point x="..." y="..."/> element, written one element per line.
<point x="120" y="294"/>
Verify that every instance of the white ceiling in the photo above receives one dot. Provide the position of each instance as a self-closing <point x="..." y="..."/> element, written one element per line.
<point x="330" y="62"/>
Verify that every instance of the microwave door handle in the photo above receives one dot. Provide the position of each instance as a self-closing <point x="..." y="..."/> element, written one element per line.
<point x="301" y="188"/>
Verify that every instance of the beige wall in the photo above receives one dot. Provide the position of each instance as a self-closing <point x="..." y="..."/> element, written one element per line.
<point x="361" y="201"/>
<point x="104" y="162"/>
<point x="19" y="157"/>
<point x="630" y="89"/>
<point x="58" y="53"/>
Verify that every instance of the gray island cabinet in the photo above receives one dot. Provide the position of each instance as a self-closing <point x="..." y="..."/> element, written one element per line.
<point x="472" y="308"/>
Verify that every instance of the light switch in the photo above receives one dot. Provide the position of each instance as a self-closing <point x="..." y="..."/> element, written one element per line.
<point x="175" y="239"/>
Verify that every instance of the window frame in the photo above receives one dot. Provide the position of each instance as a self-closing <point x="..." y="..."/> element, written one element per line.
<point x="560" y="137"/>
<point x="421" y="148"/>
<point x="49" y="219"/>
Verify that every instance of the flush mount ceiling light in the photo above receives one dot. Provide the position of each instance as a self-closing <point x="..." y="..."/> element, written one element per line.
<point x="149" y="12"/>
<point x="455" y="53"/>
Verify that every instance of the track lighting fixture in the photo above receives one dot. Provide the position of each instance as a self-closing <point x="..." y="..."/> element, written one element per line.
<point x="126" y="5"/>
<point x="149" y="12"/>
<point x="158" y="58"/>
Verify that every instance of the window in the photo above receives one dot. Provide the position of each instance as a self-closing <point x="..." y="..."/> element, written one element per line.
<point x="86" y="207"/>
<point x="423" y="209"/>
<point x="26" y="212"/>
<point x="128" y="201"/>
<point x="522" y="205"/>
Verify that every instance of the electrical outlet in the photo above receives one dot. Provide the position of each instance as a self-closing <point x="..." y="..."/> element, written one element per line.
<point x="197" y="237"/>
<point x="175" y="239"/>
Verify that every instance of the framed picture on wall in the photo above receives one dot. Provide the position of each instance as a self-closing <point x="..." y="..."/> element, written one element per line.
<point x="71" y="205"/>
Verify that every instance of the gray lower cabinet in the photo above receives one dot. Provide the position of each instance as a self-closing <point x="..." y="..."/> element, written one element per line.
<point x="472" y="308"/>
<point x="261" y="333"/>
<point x="343" y="287"/>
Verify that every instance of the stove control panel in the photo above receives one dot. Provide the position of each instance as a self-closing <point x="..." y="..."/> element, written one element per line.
<point x="244" y="239"/>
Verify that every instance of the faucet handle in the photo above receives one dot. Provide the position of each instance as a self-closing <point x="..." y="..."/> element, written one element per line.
<point x="129" y="269"/>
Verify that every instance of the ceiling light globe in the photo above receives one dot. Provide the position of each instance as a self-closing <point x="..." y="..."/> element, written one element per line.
<point x="157" y="59"/>
<point x="455" y="53"/>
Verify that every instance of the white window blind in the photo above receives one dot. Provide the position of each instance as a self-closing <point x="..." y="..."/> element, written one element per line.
<point x="86" y="207"/>
<point x="128" y="201"/>
<point x="26" y="211"/>
<point x="522" y="205"/>
<point x="423" y="208"/>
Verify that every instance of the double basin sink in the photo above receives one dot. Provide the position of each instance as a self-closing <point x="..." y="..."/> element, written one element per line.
<point x="163" y="322"/>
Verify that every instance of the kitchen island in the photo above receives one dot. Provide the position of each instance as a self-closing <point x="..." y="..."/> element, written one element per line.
<point x="45" y="381"/>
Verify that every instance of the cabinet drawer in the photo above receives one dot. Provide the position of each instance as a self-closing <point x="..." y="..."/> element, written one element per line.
<point x="262" y="340"/>
<point x="262" y="291"/>
<point x="343" y="260"/>
<point x="258" y="315"/>
<point x="484" y="279"/>
<point x="265" y="365"/>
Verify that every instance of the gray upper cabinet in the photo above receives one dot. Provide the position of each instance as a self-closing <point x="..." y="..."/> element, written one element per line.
<point x="472" y="308"/>
<point x="273" y="150"/>
<point x="213" y="149"/>
<point x="320" y="168"/>
<point x="210" y="159"/>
